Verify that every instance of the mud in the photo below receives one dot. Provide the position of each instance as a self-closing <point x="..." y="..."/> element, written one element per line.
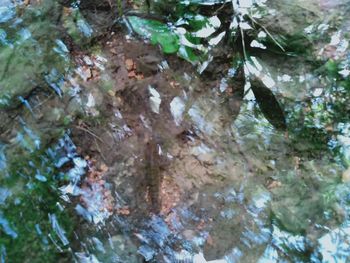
<point x="137" y="144"/>
<point x="153" y="162"/>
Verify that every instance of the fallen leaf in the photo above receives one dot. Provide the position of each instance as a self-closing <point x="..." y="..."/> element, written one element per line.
<point x="210" y="241"/>
<point x="113" y="51"/>
<point x="139" y="76"/>
<point x="129" y="63"/>
<point x="103" y="168"/>
<point x="132" y="74"/>
<point x="125" y="211"/>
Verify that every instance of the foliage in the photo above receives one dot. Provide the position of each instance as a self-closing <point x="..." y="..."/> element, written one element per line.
<point x="157" y="32"/>
<point x="31" y="209"/>
<point x="195" y="35"/>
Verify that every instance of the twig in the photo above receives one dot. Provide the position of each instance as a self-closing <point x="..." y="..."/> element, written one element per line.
<point x="243" y="44"/>
<point x="99" y="149"/>
<point x="220" y="8"/>
<point x="267" y="32"/>
<point x="91" y="133"/>
<point x="43" y="102"/>
<point x="247" y="91"/>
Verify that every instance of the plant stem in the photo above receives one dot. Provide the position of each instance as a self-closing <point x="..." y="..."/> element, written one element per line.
<point x="120" y="7"/>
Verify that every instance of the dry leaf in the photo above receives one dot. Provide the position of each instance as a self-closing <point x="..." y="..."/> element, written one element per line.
<point x="129" y="63"/>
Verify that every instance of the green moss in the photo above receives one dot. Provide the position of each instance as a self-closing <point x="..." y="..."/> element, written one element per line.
<point x="32" y="178"/>
<point x="31" y="52"/>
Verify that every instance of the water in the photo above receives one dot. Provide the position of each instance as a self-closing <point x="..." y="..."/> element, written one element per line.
<point x="112" y="151"/>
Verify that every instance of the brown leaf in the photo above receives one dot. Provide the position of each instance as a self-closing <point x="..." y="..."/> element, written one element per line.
<point x="129" y="63"/>
<point x="132" y="74"/>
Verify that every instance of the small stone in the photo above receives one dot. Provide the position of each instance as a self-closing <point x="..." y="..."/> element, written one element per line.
<point x="346" y="176"/>
<point x="274" y="184"/>
<point x="113" y="51"/>
<point x="104" y="168"/>
<point x="111" y="93"/>
<point x="88" y="61"/>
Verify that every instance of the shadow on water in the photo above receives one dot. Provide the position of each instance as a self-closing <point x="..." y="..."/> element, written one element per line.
<point x="186" y="131"/>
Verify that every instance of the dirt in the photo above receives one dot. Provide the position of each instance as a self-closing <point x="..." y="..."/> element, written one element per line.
<point x="130" y="136"/>
<point x="155" y="164"/>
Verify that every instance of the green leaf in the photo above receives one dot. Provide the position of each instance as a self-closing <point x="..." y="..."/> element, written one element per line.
<point x="188" y="54"/>
<point x="196" y="22"/>
<point x="194" y="40"/>
<point x="169" y="44"/>
<point x="269" y="105"/>
<point x="156" y="32"/>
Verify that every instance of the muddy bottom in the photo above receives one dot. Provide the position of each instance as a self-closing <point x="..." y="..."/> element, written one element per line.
<point x="163" y="154"/>
<point x="162" y="164"/>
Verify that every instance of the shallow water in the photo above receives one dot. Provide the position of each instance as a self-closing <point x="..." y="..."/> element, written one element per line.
<point x="112" y="151"/>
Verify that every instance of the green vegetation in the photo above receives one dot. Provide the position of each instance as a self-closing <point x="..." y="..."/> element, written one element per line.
<point x="157" y="32"/>
<point x="33" y="223"/>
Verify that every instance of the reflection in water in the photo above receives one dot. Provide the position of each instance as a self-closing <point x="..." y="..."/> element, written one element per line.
<point x="119" y="158"/>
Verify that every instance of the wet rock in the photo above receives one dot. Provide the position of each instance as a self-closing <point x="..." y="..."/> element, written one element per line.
<point x="292" y="17"/>
<point x="148" y="64"/>
<point x="16" y="78"/>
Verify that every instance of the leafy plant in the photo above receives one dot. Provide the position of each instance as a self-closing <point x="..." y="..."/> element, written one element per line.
<point x="193" y="36"/>
<point x="156" y="32"/>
